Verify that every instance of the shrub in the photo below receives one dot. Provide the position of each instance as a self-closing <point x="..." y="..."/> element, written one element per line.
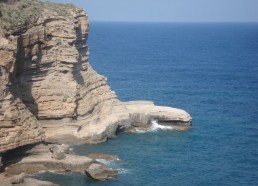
<point x="27" y="11"/>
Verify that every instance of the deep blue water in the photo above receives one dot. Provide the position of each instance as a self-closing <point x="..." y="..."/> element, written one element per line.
<point x="209" y="70"/>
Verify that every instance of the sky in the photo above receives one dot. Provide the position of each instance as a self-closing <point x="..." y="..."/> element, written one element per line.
<point x="169" y="10"/>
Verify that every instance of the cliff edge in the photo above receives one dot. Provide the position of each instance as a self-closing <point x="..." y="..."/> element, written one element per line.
<point x="48" y="90"/>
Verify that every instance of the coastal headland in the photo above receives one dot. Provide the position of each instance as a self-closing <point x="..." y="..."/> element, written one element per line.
<point x="51" y="96"/>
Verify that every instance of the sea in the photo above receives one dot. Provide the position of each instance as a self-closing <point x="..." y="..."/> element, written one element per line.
<point x="208" y="69"/>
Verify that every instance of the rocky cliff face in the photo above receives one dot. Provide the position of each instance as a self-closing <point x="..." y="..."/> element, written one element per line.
<point x="49" y="90"/>
<point x="44" y="71"/>
<point x="18" y="126"/>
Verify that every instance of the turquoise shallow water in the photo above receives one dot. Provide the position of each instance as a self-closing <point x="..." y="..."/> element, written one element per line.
<point x="210" y="70"/>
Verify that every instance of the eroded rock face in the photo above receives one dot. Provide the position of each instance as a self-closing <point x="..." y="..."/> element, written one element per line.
<point x="18" y="126"/>
<point x="18" y="179"/>
<point x="49" y="91"/>
<point x="53" y="75"/>
<point x="38" y="158"/>
<point x="59" y="151"/>
<point x="45" y="74"/>
<point x="100" y="172"/>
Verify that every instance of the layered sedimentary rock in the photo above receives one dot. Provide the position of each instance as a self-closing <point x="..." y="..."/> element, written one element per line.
<point x="48" y="89"/>
<point x="39" y="158"/>
<point x="18" y="126"/>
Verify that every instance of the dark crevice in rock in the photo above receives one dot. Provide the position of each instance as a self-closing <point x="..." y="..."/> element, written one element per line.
<point x="49" y="37"/>
<point x="76" y="69"/>
<point x="14" y="156"/>
<point x="173" y="122"/>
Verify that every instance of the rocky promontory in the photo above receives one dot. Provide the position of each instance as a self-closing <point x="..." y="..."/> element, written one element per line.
<point x="48" y="90"/>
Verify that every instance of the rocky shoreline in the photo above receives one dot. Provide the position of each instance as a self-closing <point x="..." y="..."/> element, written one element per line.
<point x="49" y="93"/>
<point x="57" y="158"/>
<point x="26" y="181"/>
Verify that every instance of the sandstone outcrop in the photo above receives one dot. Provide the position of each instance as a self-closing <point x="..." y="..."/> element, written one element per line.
<point x="6" y="181"/>
<point x="45" y="74"/>
<point x="49" y="91"/>
<point x="59" y="151"/>
<point x="18" y="126"/>
<point x="100" y="172"/>
<point x="36" y="182"/>
<point x="18" y="179"/>
<point x="38" y="158"/>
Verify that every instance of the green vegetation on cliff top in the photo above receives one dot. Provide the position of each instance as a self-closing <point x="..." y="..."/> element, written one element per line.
<point x="24" y="12"/>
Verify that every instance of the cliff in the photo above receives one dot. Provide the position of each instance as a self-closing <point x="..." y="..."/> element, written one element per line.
<point x="48" y="90"/>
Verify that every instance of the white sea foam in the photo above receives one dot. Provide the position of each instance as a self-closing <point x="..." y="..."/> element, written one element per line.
<point x="155" y="126"/>
<point x="106" y="162"/>
<point x="40" y="172"/>
<point x="123" y="171"/>
<point x="140" y="131"/>
<point x="114" y="165"/>
<point x="57" y="172"/>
